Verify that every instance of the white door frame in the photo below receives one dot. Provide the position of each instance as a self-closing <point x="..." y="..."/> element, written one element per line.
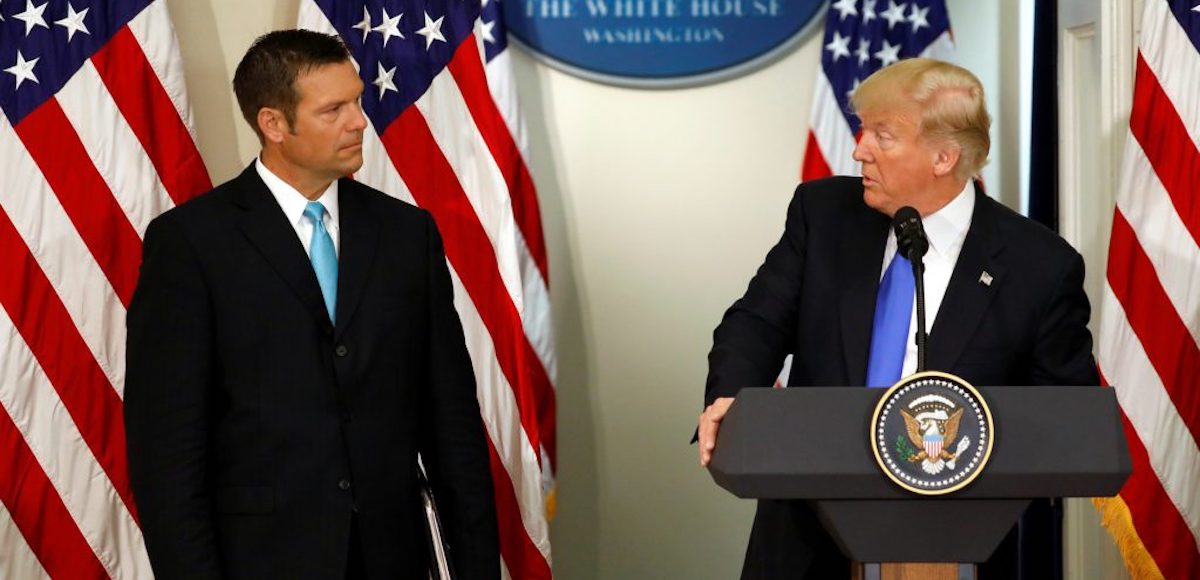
<point x="1097" y="52"/>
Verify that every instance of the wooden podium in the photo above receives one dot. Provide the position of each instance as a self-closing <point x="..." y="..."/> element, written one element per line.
<point x="811" y="444"/>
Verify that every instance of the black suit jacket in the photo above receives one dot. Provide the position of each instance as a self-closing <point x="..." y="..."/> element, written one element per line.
<point x="815" y="296"/>
<point x="256" y="428"/>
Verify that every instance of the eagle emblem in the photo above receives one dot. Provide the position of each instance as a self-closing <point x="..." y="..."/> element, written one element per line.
<point x="932" y="433"/>
<point x="933" y="429"/>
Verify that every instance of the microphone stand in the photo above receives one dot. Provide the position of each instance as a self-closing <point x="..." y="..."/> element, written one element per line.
<point x="912" y="244"/>
<point x="918" y="266"/>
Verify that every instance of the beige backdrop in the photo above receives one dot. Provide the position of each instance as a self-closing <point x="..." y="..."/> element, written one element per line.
<point x="658" y="206"/>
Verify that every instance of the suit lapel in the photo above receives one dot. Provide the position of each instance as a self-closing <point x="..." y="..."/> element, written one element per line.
<point x="359" y="239"/>
<point x="264" y="224"/>
<point x="976" y="278"/>
<point x="860" y="257"/>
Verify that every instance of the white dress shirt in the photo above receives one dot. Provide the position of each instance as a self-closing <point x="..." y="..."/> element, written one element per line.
<point x="293" y="202"/>
<point x="946" y="229"/>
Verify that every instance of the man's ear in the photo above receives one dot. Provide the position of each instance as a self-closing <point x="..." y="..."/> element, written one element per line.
<point x="272" y="124"/>
<point x="945" y="160"/>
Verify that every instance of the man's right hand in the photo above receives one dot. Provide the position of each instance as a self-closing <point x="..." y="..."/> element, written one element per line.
<point x="710" y="422"/>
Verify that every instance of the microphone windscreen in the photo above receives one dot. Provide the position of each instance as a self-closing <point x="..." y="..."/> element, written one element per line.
<point x="910" y="233"/>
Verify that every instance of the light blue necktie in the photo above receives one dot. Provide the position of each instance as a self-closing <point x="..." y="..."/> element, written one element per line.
<point x="893" y="315"/>
<point x="324" y="259"/>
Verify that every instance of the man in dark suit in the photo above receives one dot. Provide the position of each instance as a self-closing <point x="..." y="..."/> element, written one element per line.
<point x="1004" y="295"/>
<point x="293" y="345"/>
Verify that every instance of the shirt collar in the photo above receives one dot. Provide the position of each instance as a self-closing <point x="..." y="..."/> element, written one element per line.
<point x="947" y="228"/>
<point x="292" y="201"/>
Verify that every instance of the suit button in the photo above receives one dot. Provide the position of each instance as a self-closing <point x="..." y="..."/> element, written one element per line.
<point x="347" y="417"/>
<point x="341" y="350"/>
<point x="344" y="484"/>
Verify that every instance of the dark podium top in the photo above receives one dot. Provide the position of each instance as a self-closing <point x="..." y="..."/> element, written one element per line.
<point x="811" y="443"/>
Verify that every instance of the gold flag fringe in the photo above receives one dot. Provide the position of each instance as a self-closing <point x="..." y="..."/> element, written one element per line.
<point x="1114" y="514"/>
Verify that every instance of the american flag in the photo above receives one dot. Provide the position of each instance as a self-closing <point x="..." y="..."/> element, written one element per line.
<point x="445" y="134"/>
<point x="1150" y="311"/>
<point x="95" y="141"/>
<point x="862" y="37"/>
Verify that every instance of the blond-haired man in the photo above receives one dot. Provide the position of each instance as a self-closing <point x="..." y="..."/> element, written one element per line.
<point x="1004" y="295"/>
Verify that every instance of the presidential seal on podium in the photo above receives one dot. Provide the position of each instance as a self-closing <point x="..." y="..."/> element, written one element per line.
<point x="932" y="433"/>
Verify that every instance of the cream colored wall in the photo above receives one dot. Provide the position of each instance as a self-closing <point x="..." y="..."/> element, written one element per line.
<point x="658" y="207"/>
<point x="213" y="35"/>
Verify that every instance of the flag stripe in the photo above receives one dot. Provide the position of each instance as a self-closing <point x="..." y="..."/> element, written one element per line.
<point x="155" y="34"/>
<point x="499" y="409"/>
<point x="65" y="458"/>
<point x="432" y="182"/>
<point x="529" y="378"/>
<point x="1174" y="454"/>
<point x="543" y="394"/>
<point x="468" y="71"/>
<point x="540" y="339"/>
<point x="434" y="187"/>
<point x="1162" y="235"/>
<point x="502" y="84"/>
<point x="1162" y="136"/>
<point x="522" y="558"/>
<point x="814" y="166"/>
<point x="41" y="319"/>
<point x="378" y="170"/>
<point x="113" y="148"/>
<point x="1154" y="515"/>
<point x="1174" y="61"/>
<point x="444" y="110"/>
<point x="536" y="316"/>
<point x="834" y="139"/>
<point x="67" y="262"/>
<point x="20" y="561"/>
<point x="1153" y="319"/>
<point x="497" y="400"/>
<point x="139" y="94"/>
<point x="100" y="221"/>
<point x="38" y="511"/>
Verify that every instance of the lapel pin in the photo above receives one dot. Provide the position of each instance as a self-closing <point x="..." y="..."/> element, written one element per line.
<point x="985" y="278"/>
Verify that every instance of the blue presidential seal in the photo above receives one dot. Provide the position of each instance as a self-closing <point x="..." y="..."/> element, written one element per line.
<point x="660" y="43"/>
<point x="932" y="433"/>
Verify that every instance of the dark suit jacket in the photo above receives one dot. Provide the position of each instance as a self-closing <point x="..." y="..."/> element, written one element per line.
<point x="256" y="429"/>
<point x="815" y="296"/>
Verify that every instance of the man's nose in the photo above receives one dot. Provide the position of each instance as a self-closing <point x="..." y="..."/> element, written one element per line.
<point x="359" y="122"/>
<point x="860" y="151"/>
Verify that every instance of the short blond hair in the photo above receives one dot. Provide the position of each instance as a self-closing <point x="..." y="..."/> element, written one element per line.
<point x="950" y="100"/>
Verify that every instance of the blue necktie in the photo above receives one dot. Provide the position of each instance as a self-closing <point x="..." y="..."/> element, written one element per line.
<point x="893" y="315"/>
<point x="324" y="259"/>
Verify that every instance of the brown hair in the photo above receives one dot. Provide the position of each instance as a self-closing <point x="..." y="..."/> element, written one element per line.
<point x="266" y="76"/>
<point x="949" y="97"/>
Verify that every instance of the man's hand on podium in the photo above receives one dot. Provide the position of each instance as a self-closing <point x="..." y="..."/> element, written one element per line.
<point x="710" y="422"/>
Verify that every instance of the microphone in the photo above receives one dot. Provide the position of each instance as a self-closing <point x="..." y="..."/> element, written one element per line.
<point x="912" y="244"/>
<point x="910" y="234"/>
